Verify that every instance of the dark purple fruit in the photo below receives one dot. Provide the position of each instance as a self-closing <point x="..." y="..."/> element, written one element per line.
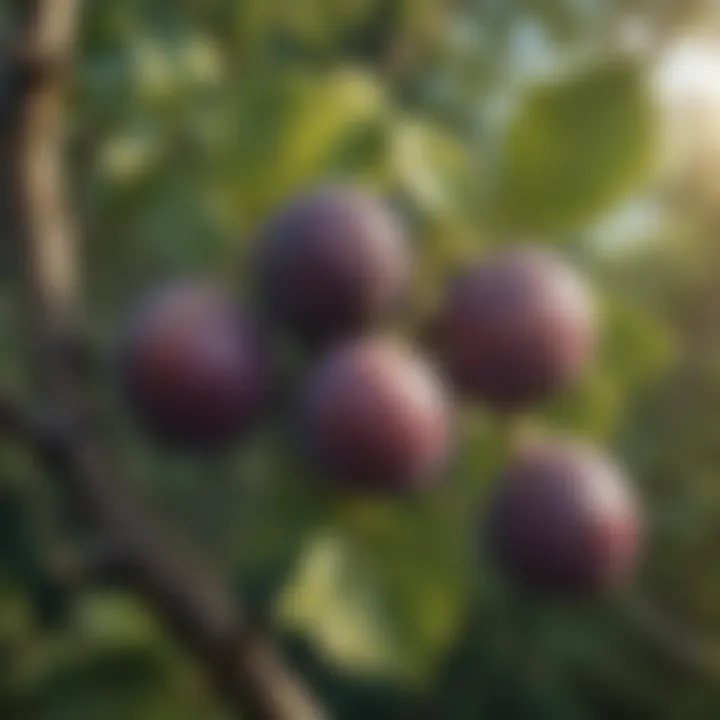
<point x="516" y="328"/>
<point x="193" y="366"/>
<point x="332" y="262"/>
<point x="375" y="417"/>
<point x="564" y="520"/>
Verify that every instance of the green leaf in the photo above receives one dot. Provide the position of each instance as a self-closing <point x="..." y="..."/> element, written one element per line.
<point x="431" y="165"/>
<point x="576" y="146"/>
<point x="329" y="111"/>
<point x="383" y="594"/>
<point x="116" y="664"/>
<point x="333" y="601"/>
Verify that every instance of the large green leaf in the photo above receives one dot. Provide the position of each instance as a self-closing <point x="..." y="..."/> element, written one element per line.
<point x="576" y="145"/>
<point x="384" y="592"/>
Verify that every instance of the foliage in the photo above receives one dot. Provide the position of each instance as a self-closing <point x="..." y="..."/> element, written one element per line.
<point x="190" y="122"/>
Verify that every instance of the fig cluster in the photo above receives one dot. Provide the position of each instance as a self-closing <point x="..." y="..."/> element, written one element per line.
<point x="373" y="412"/>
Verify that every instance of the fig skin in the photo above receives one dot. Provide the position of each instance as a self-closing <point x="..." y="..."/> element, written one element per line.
<point x="193" y="365"/>
<point x="516" y="328"/>
<point x="375" y="418"/>
<point x="563" y="520"/>
<point x="331" y="263"/>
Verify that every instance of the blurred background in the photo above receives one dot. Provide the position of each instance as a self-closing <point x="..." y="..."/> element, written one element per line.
<point x="588" y="124"/>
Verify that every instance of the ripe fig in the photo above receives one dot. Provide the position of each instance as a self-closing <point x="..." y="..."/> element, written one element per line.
<point x="516" y="328"/>
<point x="376" y="418"/>
<point x="563" y="519"/>
<point x="330" y="263"/>
<point x="193" y="365"/>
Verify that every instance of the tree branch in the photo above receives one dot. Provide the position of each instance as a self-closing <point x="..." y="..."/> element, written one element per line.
<point x="243" y="665"/>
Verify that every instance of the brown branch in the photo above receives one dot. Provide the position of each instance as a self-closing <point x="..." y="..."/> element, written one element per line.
<point x="33" y="130"/>
<point x="243" y="665"/>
